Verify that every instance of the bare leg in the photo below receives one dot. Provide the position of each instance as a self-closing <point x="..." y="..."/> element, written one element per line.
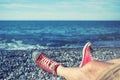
<point x="72" y="73"/>
<point x="117" y="61"/>
<point x="89" y="72"/>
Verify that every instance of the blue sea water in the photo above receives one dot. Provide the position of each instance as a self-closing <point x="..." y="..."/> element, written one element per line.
<point x="23" y="35"/>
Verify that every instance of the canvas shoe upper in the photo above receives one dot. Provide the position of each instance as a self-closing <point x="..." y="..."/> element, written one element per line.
<point x="87" y="56"/>
<point x="45" y="63"/>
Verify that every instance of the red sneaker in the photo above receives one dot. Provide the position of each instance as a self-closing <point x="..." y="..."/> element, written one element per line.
<point x="45" y="63"/>
<point x="87" y="57"/>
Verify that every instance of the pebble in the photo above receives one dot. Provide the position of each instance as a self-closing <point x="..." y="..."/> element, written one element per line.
<point x="18" y="64"/>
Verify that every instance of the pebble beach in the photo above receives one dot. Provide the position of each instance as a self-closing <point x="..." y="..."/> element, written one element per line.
<point x="18" y="64"/>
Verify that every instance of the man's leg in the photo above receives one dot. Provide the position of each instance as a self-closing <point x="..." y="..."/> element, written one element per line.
<point x="117" y="61"/>
<point x="89" y="72"/>
<point x="71" y="73"/>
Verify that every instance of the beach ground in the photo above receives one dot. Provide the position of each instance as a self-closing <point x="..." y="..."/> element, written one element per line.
<point x="18" y="64"/>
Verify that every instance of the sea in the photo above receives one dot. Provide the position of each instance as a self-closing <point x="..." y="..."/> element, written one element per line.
<point x="24" y="35"/>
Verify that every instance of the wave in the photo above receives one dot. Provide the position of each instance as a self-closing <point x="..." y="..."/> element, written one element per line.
<point x="18" y="45"/>
<point x="45" y="41"/>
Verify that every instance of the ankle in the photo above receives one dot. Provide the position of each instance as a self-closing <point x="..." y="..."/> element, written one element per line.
<point x="60" y="70"/>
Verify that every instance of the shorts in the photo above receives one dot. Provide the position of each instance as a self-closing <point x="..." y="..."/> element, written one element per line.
<point x="111" y="73"/>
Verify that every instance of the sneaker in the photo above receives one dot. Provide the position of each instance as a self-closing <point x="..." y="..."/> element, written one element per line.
<point x="44" y="62"/>
<point x="87" y="56"/>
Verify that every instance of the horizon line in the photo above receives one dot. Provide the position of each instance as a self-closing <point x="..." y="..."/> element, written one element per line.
<point x="60" y="20"/>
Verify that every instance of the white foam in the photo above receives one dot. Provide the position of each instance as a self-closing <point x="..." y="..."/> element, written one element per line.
<point x="19" y="45"/>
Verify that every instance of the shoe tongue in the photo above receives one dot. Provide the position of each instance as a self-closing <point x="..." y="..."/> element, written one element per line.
<point x="35" y="55"/>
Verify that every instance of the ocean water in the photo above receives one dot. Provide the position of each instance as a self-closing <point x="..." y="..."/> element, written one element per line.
<point x="24" y="35"/>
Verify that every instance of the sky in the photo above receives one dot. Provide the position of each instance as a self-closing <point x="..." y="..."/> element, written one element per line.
<point x="59" y="9"/>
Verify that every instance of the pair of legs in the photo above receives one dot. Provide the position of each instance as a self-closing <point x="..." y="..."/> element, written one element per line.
<point x="89" y="69"/>
<point x="89" y="72"/>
